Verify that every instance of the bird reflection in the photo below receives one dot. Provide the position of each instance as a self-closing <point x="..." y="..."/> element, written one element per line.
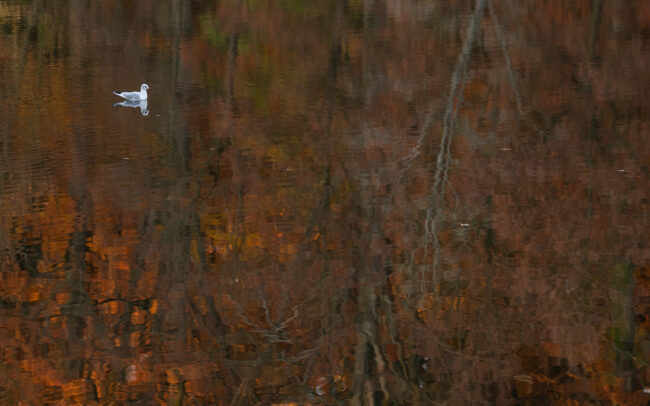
<point x="135" y="103"/>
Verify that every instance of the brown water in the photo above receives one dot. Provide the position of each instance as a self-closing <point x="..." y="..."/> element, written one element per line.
<point x="328" y="202"/>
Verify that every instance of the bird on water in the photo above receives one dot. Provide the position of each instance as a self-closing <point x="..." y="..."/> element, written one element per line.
<point x="141" y="95"/>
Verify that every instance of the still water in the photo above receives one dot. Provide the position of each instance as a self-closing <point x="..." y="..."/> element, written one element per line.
<point x="324" y="202"/>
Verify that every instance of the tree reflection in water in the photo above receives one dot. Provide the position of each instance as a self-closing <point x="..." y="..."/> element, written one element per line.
<point x="332" y="203"/>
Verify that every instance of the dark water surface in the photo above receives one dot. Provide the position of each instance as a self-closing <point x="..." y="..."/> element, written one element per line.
<point x="329" y="202"/>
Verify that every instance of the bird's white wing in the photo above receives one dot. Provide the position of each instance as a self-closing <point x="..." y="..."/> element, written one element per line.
<point x="128" y="95"/>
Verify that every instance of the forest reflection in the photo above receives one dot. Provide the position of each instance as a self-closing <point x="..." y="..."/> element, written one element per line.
<point x="324" y="202"/>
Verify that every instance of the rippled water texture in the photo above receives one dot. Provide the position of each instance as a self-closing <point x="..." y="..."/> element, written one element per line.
<point x="325" y="202"/>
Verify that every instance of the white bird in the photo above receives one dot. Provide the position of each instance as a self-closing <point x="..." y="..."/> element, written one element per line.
<point x="141" y="95"/>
